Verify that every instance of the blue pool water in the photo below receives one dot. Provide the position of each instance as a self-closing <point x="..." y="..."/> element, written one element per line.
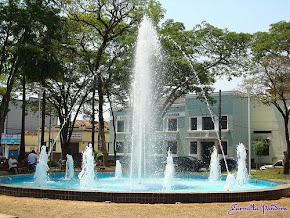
<point x="108" y="182"/>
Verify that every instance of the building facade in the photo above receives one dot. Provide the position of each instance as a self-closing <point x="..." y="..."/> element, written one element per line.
<point x="10" y="139"/>
<point x="188" y="130"/>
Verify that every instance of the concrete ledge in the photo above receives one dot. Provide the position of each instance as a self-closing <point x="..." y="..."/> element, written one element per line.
<point x="275" y="193"/>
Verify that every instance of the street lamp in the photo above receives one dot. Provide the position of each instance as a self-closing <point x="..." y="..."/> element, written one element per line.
<point x="249" y="127"/>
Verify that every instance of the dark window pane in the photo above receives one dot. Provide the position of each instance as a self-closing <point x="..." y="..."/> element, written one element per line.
<point x="193" y="123"/>
<point x="193" y="147"/>
<point x="207" y="123"/>
<point x="224" y="122"/>
<point x="173" y="147"/>
<point x="225" y="147"/>
<point x="172" y="124"/>
<point x="120" y="126"/>
<point x="120" y="147"/>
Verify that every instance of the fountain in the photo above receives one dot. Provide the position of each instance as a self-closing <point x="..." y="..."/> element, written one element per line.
<point x="147" y="56"/>
<point x="87" y="175"/>
<point x="215" y="168"/>
<point x="69" y="171"/>
<point x="242" y="175"/>
<point x="169" y="173"/>
<point x="118" y="170"/>
<point x="141" y="184"/>
<point x="41" y="176"/>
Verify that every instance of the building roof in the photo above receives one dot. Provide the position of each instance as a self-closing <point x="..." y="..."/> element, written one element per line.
<point x="88" y="124"/>
<point x="30" y="132"/>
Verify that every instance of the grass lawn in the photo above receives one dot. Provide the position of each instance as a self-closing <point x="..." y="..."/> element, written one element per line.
<point x="276" y="173"/>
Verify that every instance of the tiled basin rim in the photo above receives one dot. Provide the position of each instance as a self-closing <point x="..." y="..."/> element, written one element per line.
<point x="282" y="190"/>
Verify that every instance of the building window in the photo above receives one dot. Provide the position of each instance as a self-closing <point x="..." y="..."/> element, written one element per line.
<point x="193" y="123"/>
<point x="193" y="147"/>
<point x="120" y="147"/>
<point x="224" y="122"/>
<point x="172" y="145"/>
<point x="225" y="147"/>
<point x="120" y="126"/>
<point x="172" y="124"/>
<point x="207" y="123"/>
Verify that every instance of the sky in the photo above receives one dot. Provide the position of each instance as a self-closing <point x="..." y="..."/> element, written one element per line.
<point x="248" y="16"/>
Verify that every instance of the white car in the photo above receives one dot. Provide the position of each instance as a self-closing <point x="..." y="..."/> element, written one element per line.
<point x="278" y="164"/>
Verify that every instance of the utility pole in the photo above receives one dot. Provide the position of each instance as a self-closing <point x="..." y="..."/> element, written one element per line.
<point x="220" y="121"/>
<point x="249" y="128"/>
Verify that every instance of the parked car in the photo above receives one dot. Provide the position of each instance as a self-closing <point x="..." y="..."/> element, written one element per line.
<point x="183" y="164"/>
<point x="278" y="164"/>
<point x="231" y="162"/>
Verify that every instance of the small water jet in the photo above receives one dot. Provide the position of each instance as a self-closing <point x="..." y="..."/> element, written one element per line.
<point x="118" y="170"/>
<point x="87" y="175"/>
<point x="215" y="168"/>
<point x="230" y="182"/>
<point x="242" y="175"/>
<point x="69" y="171"/>
<point x="41" y="176"/>
<point x="168" y="173"/>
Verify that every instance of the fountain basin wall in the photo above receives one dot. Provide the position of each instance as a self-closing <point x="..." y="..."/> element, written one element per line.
<point x="282" y="190"/>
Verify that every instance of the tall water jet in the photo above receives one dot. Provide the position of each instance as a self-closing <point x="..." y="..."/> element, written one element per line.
<point x="169" y="172"/>
<point x="242" y="175"/>
<point x="41" y="176"/>
<point x="145" y="73"/>
<point x="69" y="171"/>
<point x="87" y="175"/>
<point x="118" y="170"/>
<point x="215" y="168"/>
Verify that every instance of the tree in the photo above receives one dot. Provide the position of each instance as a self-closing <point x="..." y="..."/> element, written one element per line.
<point x="68" y="94"/>
<point x="210" y="51"/>
<point x="107" y="21"/>
<point x="259" y="146"/>
<point x="271" y="77"/>
<point x="40" y="61"/>
<point x="13" y="35"/>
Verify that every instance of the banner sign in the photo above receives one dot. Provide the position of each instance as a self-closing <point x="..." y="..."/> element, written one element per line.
<point x="76" y="135"/>
<point x="10" y="139"/>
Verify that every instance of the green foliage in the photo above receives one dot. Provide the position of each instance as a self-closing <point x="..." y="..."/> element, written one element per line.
<point x="52" y="163"/>
<point x="276" y="41"/>
<point x="260" y="145"/>
<point x="211" y="51"/>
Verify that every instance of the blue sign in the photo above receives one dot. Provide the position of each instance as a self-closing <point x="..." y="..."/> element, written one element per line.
<point x="10" y="139"/>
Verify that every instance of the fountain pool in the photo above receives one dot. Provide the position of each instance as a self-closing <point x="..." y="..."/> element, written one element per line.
<point x="185" y="188"/>
<point x="141" y="184"/>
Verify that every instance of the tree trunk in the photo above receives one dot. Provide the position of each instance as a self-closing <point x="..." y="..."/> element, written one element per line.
<point x="114" y="129"/>
<point x="93" y="114"/>
<point x="42" y="119"/>
<point x="286" y="164"/>
<point x="4" y="107"/>
<point x="22" y="142"/>
<point x="101" y="120"/>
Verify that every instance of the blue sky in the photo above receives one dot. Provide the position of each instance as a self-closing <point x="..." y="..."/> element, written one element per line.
<point x="247" y="16"/>
<point x="237" y="15"/>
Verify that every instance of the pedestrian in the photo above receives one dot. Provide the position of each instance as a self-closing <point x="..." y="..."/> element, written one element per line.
<point x="13" y="164"/>
<point x="32" y="160"/>
<point x="284" y="158"/>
